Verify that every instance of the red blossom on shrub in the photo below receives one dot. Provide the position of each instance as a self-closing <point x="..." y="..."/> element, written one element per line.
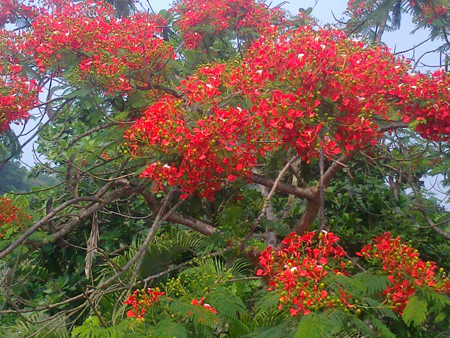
<point x="141" y="300"/>
<point x="405" y="269"/>
<point x="13" y="10"/>
<point x="201" y="302"/>
<point x="12" y="218"/>
<point x="18" y="92"/>
<point x="205" y="153"/>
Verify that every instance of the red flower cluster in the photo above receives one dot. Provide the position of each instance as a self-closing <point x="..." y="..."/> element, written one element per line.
<point x="198" y="155"/>
<point x="12" y="10"/>
<point x="432" y="12"/>
<point x="140" y="300"/>
<point x="357" y="7"/>
<point x="404" y="268"/>
<point x="298" y="268"/>
<point x="427" y="99"/>
<point x="201" y="302"/>
<point x="334" y="84"/>
<point x="12" y="218"/>
<point x="18" y="93"/>
<point x="202" y="18"/>
<point x="203" y="87"/>
<point x="112" y="53"/>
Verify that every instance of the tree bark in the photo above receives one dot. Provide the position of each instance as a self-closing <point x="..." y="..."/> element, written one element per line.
<point x="381" y="29"/>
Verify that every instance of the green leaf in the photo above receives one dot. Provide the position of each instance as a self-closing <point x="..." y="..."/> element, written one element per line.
<point x="282" y="330"/>
<point x="440" y="317"/>
<point x="336" y="320"/>
<point x="363" y="327"/>
<point x="377" y="284"/>
<point x="310" y="327"/>
<point x="226" y="304"/>
<point x="383" y="329"/>
<point x="434" y="297"/>
<point x="379" y="308"/>
<point x="415" y="311"/>
<point x="168" y="329"/>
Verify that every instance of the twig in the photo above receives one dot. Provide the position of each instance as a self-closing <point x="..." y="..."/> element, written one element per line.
<point x="269" y="196"/>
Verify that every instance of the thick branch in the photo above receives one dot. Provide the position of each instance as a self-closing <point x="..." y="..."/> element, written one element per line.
<point x="98" y="203"/>
<point x="313" y="204"/>
<point x="392" y="126"/>
<point x="337" y="166"/>
<point x="193" y="223"/>
<point x="310" y="214"/>
<point x="108" y="198"/>
<point x="283" y="187"/>
<point x="433" y="225"/>
<point x="44" y="221"/>
<point x="381" y="28"/>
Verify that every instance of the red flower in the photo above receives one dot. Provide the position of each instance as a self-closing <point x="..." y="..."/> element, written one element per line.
<point x="297" y="270"/>
<point x="140" y="300"/>
<point x="404" y="268"/>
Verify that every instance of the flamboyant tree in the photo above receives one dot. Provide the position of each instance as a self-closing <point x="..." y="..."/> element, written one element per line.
<point x="189" y="144"/>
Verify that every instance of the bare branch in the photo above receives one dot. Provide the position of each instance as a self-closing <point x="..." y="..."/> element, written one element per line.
<point x="193" y="223"/>
<point x="86" y="133"/>
<point x="44" y="221"/>
<point x="283" y="187"/>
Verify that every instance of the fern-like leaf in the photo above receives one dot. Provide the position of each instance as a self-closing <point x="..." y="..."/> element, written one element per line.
<point x="266" y="304"/>
<point x="227" y="304"/>
<point x="434" y="297"/>
<point x="373" y="283"/>
<point x="38" y="325"/>
<point x="91" y="328"/>
<point x="239" y="267"/>
<point x="350" y="284"/>
<point x="169" y="329"/>
<point x="282" y="330"/>
<point x="310" y="326"/>
<point x="362" y="327"/>
<point x="336" y="320"/>
<point x="380" y="309"/>
<point x="382" y="329"/>
<point x="415" y="311"/>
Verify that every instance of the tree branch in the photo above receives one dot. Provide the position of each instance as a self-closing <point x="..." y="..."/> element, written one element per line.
<point x="193" y="223"/>
<point x="108" y="198"/>
<point x="310" y="214"/>
<point x="337" y="166"/>
<point x="44" y="221"/>
<point x="283" y="187"/>
<point x="86" y="133"/>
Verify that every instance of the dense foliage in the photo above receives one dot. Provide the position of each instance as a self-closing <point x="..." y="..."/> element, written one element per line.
<point x="221" y="169"/>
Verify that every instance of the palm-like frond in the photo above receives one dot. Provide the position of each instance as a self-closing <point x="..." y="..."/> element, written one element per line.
<point x="38" y="325"/>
